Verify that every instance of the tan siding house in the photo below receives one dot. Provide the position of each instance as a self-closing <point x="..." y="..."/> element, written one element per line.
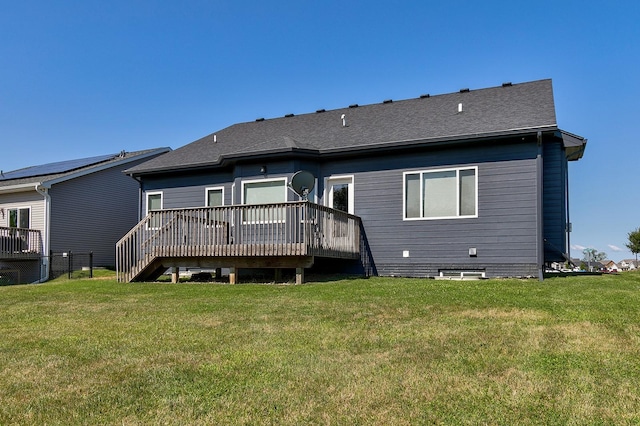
<point x="82" y="205"/>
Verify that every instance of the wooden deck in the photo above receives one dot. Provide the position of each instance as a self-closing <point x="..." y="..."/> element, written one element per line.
<point x="20" y="243"/>
<point x="286" y="235"/>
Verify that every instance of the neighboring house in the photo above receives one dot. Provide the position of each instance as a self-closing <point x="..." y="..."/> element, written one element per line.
<point x="468" y="183"/>
<point x="563" y="266"/>
<point x="580" y="265"/>
<point x="83" y="205"/>
<point x="611" y="266"/>
<point x="628" y="264"/>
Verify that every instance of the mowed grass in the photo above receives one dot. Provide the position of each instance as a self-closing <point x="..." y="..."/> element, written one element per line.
<point x="363" y="351"/>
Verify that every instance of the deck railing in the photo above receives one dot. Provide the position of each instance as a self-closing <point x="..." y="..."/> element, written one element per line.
<point x="284" y="229"/>
<point x="20" y="243"/>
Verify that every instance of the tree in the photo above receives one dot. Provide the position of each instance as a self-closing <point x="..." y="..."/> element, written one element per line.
<point x="593" y="255"/>
<point x="634" y="242"/>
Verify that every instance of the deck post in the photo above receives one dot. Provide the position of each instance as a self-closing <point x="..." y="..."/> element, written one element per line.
<point x="299" y="275"/>
<point x="218" y="273"/>
<point x="232" y="275"/>
<point x="278" y="275"/>
<point x="175" y="274"/>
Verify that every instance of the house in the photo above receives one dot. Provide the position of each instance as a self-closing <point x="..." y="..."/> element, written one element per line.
<point x="629" y="264"/>
<point x="471" y="183"/>
<point x="611" y="266"/>
<point x="81" y="205"/>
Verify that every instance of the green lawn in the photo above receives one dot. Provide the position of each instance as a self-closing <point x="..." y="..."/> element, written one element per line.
<point x="364" y="351"/>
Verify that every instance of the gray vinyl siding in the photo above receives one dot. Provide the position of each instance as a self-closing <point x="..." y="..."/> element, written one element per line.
<point x="555" y="210"/>
<point x="504" y="233"/>
<point x="92" y="212"/>
<point x="186" y="191"/>
<point x="189" y="190"/>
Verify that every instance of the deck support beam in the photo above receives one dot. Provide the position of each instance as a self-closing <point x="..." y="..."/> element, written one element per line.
<point x="299" y="275"/>
<point x="175" y="274"/>
<point x="232" y="275"/>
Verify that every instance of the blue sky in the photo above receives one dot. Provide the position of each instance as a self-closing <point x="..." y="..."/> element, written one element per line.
<point x="83" y="78"/>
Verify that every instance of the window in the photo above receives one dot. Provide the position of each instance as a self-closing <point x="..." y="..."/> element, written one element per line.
<point x="340" y="193"/>
<point x="340" y="196"/>
<point x="214" y="197"/>
<point x="154" y="202"/>
<point x="20" y="218"/>
<point x="441" y="194"/>
<point x="264" y="192"/>
<point x="461" y="275"/>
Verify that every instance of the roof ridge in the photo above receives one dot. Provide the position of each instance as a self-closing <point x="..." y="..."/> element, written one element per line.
<point x="355" y="106"/>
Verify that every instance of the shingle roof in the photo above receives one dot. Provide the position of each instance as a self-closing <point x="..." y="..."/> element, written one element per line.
<point x="59" y="170"/>
<point x="503" y="110"/>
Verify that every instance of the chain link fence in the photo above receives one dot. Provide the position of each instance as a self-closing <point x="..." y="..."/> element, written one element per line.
<point x="20" y="271"/>
<point x="71" y="264"/>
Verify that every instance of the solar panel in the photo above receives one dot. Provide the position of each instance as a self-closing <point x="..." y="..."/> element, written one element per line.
<point x="55" y="168"/>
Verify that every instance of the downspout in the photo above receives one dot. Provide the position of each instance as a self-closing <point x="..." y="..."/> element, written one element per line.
<point x="44" y="272"/>
<point x="539" y="209"/>
<point x="139" y="197"/>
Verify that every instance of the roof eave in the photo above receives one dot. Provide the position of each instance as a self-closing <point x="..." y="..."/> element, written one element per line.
<point x="47" y="181"/>
<point x="445" y="140"/>
<point x="227" y="160"/>
<point x="23" y="187"/>
<point x="103" y="166"/>
<point x="574" y="145"/>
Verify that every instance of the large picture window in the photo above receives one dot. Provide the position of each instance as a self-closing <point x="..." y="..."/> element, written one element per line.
<point x="264" y="192"/>
<point x="441" y="194"/>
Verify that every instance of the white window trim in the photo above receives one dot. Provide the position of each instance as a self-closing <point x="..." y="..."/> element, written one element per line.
<point x="242" y="201"/>
<point x="233" y="193"/>
<point x="19" y="208"/>
<point x="212" y="188"/>
<point x="146" y="206"/>
<point x="350" y="180"/>
<point x="244" y="182"/>
<point x="457" y="170"/>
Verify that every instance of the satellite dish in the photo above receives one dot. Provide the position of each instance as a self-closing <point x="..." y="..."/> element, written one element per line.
<point x="302" y="183"/>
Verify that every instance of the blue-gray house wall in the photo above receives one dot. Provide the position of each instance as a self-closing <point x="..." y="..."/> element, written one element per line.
<point x="505" y="233"/>
<point x="556" y="216"/>
<point x="91" y="213"/>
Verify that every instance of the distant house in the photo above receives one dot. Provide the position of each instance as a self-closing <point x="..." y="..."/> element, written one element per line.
<point x="611" y="266"/>
<point x="472" y="183"/>
<point x="629" y="265"/>
<point x="83" y="205"/>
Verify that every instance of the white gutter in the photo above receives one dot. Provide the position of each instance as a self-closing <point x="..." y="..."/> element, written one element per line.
<point x="44" y="272"/>
<point x="16" y="188"/>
